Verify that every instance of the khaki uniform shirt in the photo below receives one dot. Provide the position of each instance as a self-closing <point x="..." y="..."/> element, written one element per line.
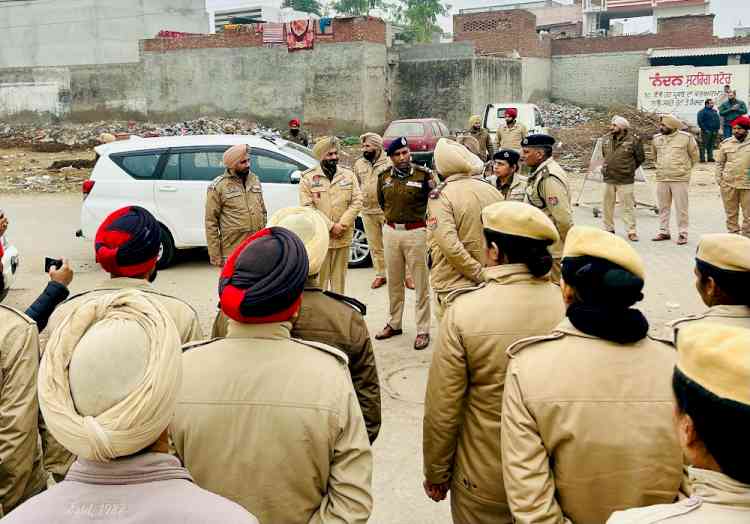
<point x="334" y="320"/>
<point x="21" y="472"/>
<point x="486" y="149"/>
<point x="274" y="425"/>
<point x="716" y="499"/>
<point x="676" y="154"/>
<point x="367" y="175"/>
<point x="514" y="189"/>
<point x="547" y="189"/>
<point x="733" y="163"/>
<point x="403" y="196"/>
<point x="455" y="237"/>
<point x="467" y="375"/>
<point x="511" y="137"/>
<point x="233" y="212"/>
<point x="623" y="154"/>
<point x="738" y="316"/>
<point x="587" y="427"/>
<point x="300" y="138"/>
<point x="339" y="200"/>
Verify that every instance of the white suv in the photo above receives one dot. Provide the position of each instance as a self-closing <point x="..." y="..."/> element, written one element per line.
<point x="10" y="266"/>
<point x="169" y="176"/>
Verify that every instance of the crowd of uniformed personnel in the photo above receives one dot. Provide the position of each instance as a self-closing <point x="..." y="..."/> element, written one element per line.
<point x="548" y="401"/>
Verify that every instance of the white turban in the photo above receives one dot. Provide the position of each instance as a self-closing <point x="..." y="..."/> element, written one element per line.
<point x="110" y="376"/>
<point x="620" y="122"/>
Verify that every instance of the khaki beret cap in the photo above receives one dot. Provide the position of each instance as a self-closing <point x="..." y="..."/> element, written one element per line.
<point x="452" y="158"/>
<point x="323" y="145"/>
<point x="307" y="224"/>
<point x="594" y="242"/>
<point x="725" y="251"/>
<point x="519" y="219"/>
<point x="717" y="357"/>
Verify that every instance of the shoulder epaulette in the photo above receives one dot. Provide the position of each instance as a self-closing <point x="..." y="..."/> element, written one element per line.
<point x="216" y="180"/>
<point x="192" y="345"/>
<point x="422" y="168"/>
<point x="309" y="170"/>
<point x="513" y="349"/>
<point x="115" y="289"/>
<point x="340" y="355"/>
<point x="727" y="140"/>
<point x="23" y="316"/>
<point x="349" y="301"/>
<point x="697" y="316"/>
<point x="435" y="193"/>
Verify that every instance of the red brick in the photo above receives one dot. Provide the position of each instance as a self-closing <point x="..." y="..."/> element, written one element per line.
<point x="501" y="33"/>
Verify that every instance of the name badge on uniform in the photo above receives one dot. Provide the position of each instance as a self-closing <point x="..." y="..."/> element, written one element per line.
<point x="316" y="181"/>
<point x="233" y="194"/>
<point x="414" y="184"/>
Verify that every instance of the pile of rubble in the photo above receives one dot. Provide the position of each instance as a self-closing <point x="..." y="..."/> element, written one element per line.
<point x="23" y="171"/>
<point x="558" y="116"/>
<point x="58" y="137"/>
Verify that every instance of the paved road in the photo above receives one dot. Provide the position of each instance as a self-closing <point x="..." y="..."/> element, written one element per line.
<point x="43" y="225"/>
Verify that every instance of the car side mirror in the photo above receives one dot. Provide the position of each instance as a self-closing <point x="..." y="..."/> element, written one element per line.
<point x="295" y="177"/>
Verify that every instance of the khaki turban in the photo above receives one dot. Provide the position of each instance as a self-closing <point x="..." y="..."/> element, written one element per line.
<point x="452" y="158"/>
<point x="110" y="376"/>
<point x="474" y="120"/>
<point x="235" y="155"/>
<point x="374" y="139"/>
<point x="324" y="145"/>
<point x="672" y="122"/>
<point x="620" y="122"/>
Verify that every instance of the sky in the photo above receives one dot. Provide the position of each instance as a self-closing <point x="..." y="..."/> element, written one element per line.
<point x="728" y="12"/>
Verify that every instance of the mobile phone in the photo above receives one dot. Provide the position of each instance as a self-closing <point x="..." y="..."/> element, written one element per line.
<point x="50" y="263"/>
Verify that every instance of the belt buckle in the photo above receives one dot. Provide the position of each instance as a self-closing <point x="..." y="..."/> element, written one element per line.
<point x="399" y="227"/>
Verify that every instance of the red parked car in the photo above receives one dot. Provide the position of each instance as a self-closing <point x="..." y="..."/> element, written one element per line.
<point x="422" y="135"/>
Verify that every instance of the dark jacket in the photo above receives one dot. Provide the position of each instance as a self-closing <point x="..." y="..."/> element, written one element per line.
<point x="708" y="119"/>
<point x="43" y="307"/>
<point x="730" y="114"/>
<point x="622" y="156"/>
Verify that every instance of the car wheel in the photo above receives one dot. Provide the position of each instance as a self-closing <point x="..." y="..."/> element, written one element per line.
<point x="167" y="251"/>
<point x="359" y="253"/>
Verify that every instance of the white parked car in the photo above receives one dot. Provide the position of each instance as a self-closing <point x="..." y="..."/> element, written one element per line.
<point x="169" y="176"/>
<point x="528" y="114"/>
<point x="10" y="265"/>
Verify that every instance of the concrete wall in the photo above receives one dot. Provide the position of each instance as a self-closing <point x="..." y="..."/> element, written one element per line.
<point x="597" y="79"/>
<point x="536" y="78"/>
<point x="76" y="32"/>
<point x="334" y="85"/>
<point x="495" y="79"/>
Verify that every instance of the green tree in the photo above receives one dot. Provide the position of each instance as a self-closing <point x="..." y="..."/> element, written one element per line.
<point x="420" y="18"/>
<point x="355" y="7"/>
<point x="306" y="6"/>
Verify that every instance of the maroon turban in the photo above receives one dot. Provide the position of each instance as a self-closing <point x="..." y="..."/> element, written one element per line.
<point x="264" y="277"/>
<point x="127" y="242"/>
<point x="294" y="122"/>
<point x="743" y="122"/>
<point x="511" y="112"/>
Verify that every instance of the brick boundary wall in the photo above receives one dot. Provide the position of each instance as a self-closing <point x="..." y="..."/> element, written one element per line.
<point x="357" y="29"/>
<point x="501" y="33"/>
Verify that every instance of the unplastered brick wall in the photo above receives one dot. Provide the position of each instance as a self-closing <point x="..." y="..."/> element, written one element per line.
<point x="679" y="31"/>
<point x="355" y="29"/>
<point x="501" y="33"/>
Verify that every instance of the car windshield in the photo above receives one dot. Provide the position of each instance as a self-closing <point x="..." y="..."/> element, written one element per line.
<point x="405" y="129"/>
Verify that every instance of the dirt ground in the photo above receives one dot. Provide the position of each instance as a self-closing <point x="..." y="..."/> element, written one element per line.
<point x="44" y="225"/>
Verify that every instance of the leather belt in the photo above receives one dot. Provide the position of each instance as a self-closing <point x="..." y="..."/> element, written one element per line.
<point x="407" y="226"/>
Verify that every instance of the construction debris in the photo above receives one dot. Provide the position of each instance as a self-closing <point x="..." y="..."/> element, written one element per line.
<point x="558" y="116"/>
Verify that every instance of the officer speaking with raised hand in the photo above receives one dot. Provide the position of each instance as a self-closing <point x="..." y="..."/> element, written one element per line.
<point x="403" y="192"/>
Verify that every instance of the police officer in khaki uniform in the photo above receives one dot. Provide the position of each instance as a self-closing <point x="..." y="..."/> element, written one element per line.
<point x="722" y="277"/>
<point x="586" y="426"/>
<point x="331" y="318"/>
<point x="455" y="242"/>
<point x="461" y="447"/>
<point x="512" y="133"/>
<point x="374" y="161"/>
<point x="712" y="404"/>
<point x="547" y="189"/>
<point x="334" y="192"/>
<point x="676" y="153"/>
<point x="402" y="194"/>
<point x="623" y="155"/>
<point x="260" y="397"/>
<point x="482" y="136"/>
<point x="733" y="176"/>
<point x="295" y="134"/>
<point x="507" y="179"/>
<point x="234" y="205"/>
<point x="22" y="475"/>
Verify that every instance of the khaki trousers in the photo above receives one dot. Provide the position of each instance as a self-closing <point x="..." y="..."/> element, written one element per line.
<point x="466" y="509"/>
<point x="666" y="192"/>
<point x="333" y="270"/>
<point x="405" y="249"/>
<point x="628" y="206"/>
<point x="374" y="233"/>
<point x="734" y="199"/>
